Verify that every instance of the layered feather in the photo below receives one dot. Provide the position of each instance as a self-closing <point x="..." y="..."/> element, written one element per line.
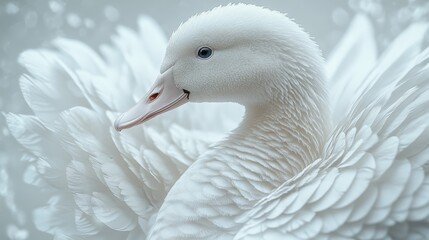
<point x="370" y="183"/>
<point x="105" y="185"/>
<point x="373" y="175"/>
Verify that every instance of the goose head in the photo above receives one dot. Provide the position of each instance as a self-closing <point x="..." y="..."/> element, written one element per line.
<point x="236" y="53"/>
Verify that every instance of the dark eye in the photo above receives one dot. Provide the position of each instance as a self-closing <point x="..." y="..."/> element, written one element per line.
<point x="205" y="52"/>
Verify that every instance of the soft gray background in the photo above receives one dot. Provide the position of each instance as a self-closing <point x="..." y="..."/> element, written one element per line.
<point x="28" y="24"/>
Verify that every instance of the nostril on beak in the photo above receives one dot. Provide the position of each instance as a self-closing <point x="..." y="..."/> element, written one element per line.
<point x="152" y="97"/>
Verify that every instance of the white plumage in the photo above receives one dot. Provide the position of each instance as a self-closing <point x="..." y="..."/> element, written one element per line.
<point x="284" y="173"/>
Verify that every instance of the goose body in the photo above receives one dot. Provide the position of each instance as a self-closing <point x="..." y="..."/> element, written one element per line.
<point x="306" y="162"/>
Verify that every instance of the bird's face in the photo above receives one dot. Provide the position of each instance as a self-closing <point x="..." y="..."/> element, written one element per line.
<point x="213" y="68"/>
<point x="225" y="55"/>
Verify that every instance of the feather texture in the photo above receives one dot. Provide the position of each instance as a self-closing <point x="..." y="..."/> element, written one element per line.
<point x="278" y="180"/>
<point x="105" y="185"/>
<point x="366" y="182"/>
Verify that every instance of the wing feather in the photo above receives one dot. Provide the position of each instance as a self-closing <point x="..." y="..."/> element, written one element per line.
<point x="348" y="64"/>
<point x="102" y="184"/>
<point x="374" y="171"/>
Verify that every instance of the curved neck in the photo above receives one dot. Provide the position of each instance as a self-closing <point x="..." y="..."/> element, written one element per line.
<point x="273" y="143"/>
<point x="289" y="131"/>
<point x="287" y="138"/>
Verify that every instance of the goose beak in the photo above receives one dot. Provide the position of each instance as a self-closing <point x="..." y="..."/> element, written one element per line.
<point x="163" y="96"/>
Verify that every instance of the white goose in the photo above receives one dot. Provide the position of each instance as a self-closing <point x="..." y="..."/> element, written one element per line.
<point x="284" y="173"/>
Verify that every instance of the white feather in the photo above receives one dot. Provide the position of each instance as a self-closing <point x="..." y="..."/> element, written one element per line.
<point x="290" y="176"/>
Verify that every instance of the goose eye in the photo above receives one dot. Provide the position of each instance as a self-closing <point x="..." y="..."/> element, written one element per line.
<point x="205" y="52"/>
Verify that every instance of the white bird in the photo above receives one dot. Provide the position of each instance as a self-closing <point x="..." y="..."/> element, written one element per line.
<point x="290" y="170"/>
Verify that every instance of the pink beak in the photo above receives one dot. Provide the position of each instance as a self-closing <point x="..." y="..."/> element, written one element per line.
<point x="163" y="96"/>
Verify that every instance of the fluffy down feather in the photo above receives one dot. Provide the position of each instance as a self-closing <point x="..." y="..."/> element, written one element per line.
<point x="372" y="179"/>
<point x="371" y="182"/>
<point x="105" y="185"/>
